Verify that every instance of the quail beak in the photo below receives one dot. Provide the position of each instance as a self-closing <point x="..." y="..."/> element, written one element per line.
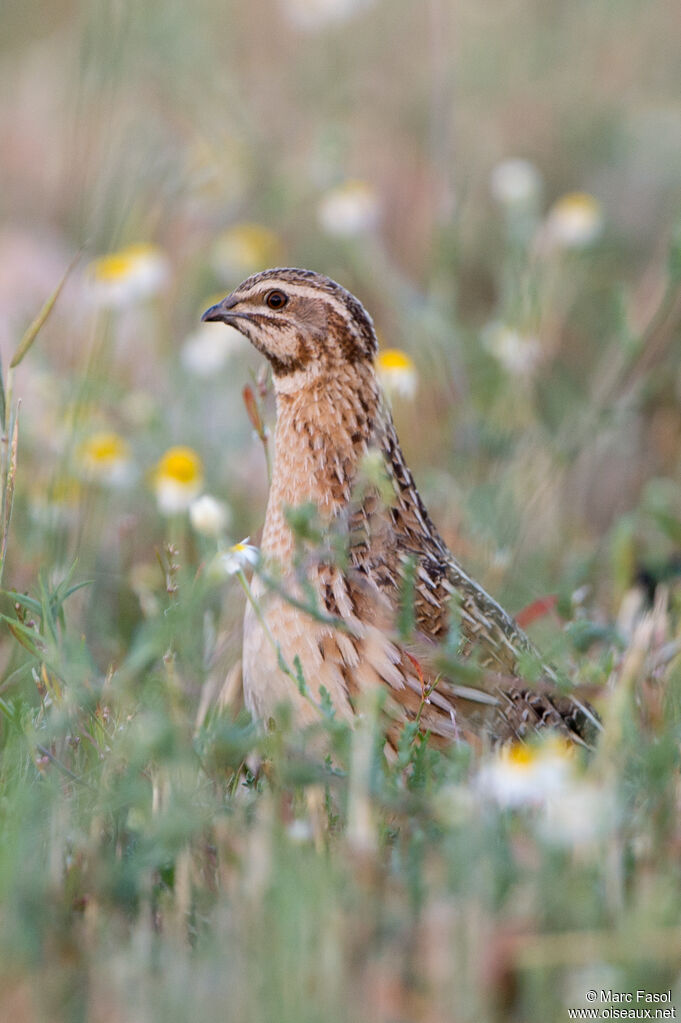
<point x="221" y="313"/>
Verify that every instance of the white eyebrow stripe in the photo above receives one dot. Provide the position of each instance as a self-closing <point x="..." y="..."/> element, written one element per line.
<point x="300" y="290"/>
<point x="294" y="288"/>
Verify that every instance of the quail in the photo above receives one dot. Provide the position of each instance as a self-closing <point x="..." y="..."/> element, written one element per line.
<point x="337" y="625"/>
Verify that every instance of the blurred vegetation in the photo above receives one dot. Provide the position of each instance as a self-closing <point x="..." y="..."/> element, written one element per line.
<point x="160" y="858"/>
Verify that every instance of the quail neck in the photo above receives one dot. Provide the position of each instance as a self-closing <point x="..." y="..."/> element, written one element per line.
<point x="321" y="344"/>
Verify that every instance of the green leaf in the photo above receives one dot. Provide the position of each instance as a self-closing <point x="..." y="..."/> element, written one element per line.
<point x="30" y="603"/>
<point x="48" y="613"/>
<point x="77" y="586"/>
<point x="23" y="635"/>
<point x="304" y="521"/>
<point x="16" y="676"/>
<point x="11" y="712"/>
<point x="300" y="678"/>
<point x="326" y="703"/>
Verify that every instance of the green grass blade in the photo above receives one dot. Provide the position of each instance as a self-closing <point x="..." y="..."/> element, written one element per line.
<point x="8" y="494"/>
<point x="36" y="326"/>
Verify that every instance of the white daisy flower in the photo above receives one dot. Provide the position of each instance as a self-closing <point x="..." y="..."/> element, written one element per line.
<point x="208" y="349"/>
<point x="130" y="275"/>
<point x="518" y="353"/>
<point x="239" y="557"/>
<point x="348" y="210"/>
<point x="209" y="516"/>
<point x="105" y="457"/>
<point x="397" y="372"/>
<point x="177" y="480"/>
<point x="515" y="182"/>
<point x="575" y="221"/>
<point x="527" y="775"/>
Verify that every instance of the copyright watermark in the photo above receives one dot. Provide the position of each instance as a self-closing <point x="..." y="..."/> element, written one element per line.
<point x="639" y="1004"/>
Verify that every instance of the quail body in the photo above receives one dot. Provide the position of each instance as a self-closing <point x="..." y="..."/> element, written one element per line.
<point x="335" y="619"/>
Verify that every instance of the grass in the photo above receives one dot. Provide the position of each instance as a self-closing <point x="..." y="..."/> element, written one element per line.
<point x="160" y="857"/>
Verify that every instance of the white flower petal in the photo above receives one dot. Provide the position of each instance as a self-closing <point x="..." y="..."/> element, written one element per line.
<point x="315" y="14"/>
<point x="126" y="277"/>
<point x="574" y="221"/>
<point x="526" y="776"/>
<point x="349" y="210"/>
<point x="515" y="182"/>
<point x="239" y="557"/>
<point x="208" y="349"/>
<point x="518" y="353"/>
<point x="209" y="516"/>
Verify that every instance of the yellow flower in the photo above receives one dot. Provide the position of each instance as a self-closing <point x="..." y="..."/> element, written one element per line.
<point x="177" y="479"/>
<point x="397" y="372"/>
<point x="239" y="557"/>
<point x="127" y="276"/>
<point x="105" y="457"/>
<point x="350" y="209"/>
<point x="528" y="775"/>
<point x="245" y="248"/>
<point x="574" y="221"/>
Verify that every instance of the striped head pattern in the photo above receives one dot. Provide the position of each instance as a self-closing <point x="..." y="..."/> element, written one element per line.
<point x="304" y="323"/>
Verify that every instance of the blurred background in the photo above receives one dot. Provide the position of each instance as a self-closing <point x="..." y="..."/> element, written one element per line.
<point x="500" y="184"/>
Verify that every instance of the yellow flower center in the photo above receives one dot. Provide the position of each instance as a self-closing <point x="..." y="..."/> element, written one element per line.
<point x="580" y="203"/>
<point x="119" y="265"/>
<point x="521" y="756"/>
<point x="105" y="448"/>
<point x="181" y="465"/>
<point x="392" y="359"/>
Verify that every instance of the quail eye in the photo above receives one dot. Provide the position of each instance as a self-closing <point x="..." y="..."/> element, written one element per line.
<point x="276" y="299"/>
